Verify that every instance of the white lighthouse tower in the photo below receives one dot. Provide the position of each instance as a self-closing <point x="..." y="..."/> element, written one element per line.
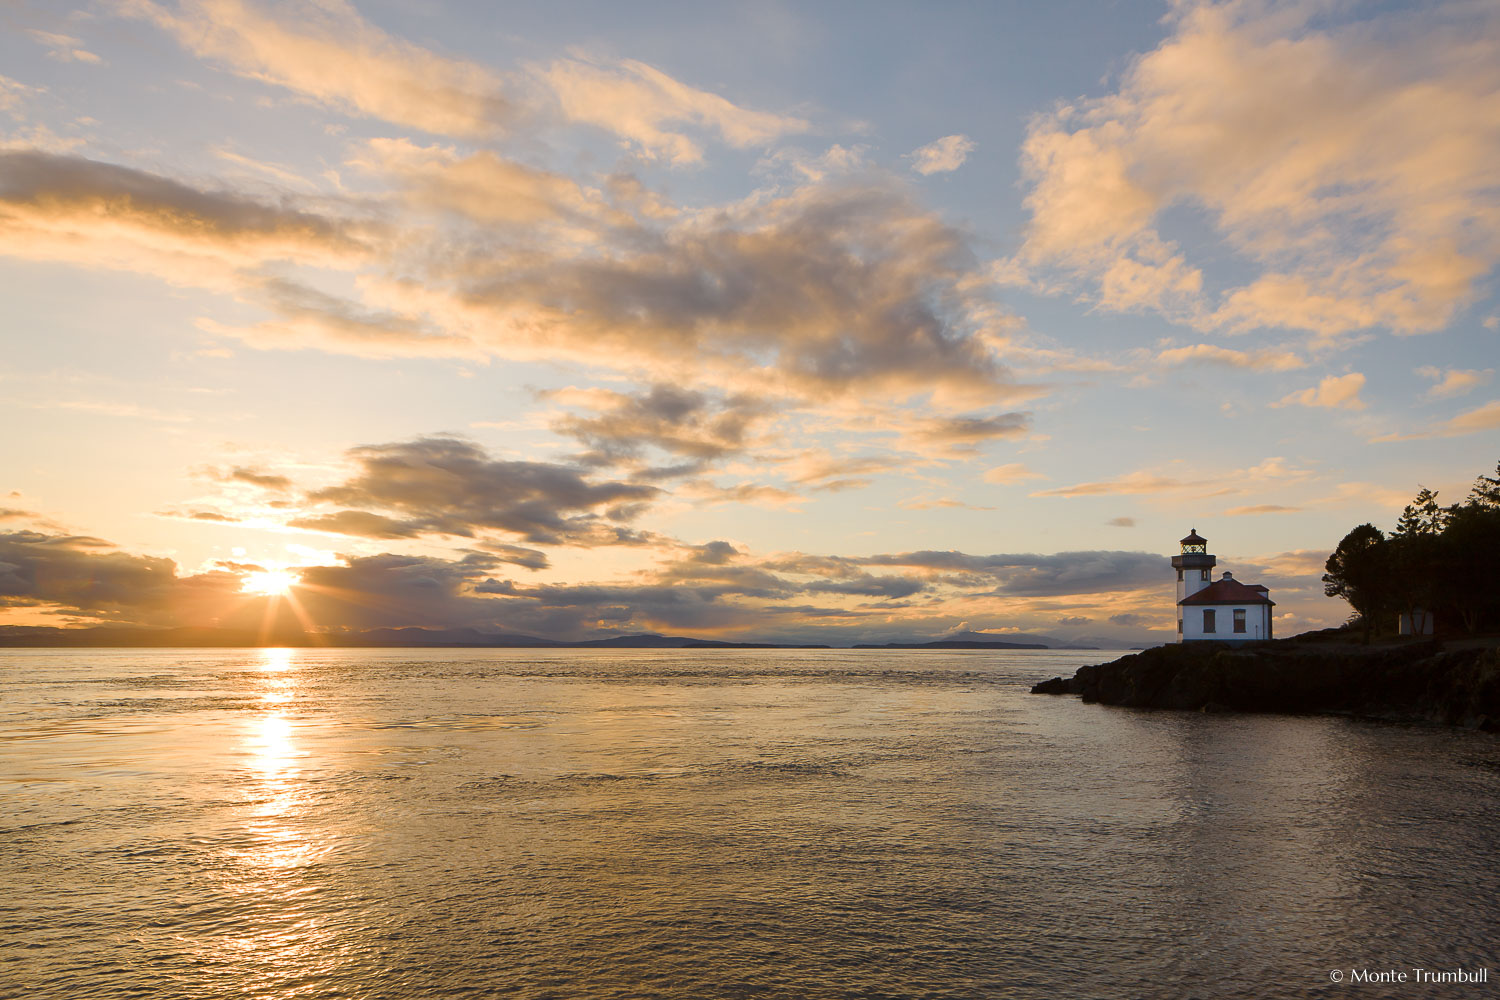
<point x="1223" y="610"/>
<point x="1194" y="567"/>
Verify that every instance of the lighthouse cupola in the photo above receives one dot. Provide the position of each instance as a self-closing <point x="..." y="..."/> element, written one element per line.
<point x="1194" y="566"/>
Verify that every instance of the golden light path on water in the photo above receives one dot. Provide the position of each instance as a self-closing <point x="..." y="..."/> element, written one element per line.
<point x="290" y="823"/>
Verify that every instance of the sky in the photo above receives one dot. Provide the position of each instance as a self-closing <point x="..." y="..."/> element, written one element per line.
<point x="803" y="322"/>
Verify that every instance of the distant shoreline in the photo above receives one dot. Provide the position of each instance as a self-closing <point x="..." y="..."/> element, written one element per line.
<point x="107" y="637"/>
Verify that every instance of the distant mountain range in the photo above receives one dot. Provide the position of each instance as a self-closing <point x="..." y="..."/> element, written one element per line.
<point x="22" y="635"/>
<point x="115" y="636"/>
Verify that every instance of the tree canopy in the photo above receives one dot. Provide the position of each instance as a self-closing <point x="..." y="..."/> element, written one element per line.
<point x="1438" y="560"/>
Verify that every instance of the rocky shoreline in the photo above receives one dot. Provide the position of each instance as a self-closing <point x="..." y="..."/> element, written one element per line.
<point x="1415" y="681"/>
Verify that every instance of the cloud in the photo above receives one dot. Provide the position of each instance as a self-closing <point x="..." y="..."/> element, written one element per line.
<point x="446" y="486"/>
<point x="361" y="523"/>
<point x="756" y="494"/>
<point x="89" y="576"/>
<point x="64" y="48"/>
<point x="1042" y="575"/>
<point x="712" y="588"/>
<point x="58" y="207"/>
<point x="1073" y="620"/>
<point x="1143" y="481"/>
<point x="942" y="156"/>
<point x="1482" y="418"/>
<point x="680" y="422"/>
<point x="640" y="103"/>
<point x="1130" y="619"/>
<point x="832" y="288"/>
<point x="829" y="471"/>
<point x="1013" y="472"/>
<point x="482" y="187"/>
<point x="1265" y="359"/>
<point x="1131" y="483"/>
<point x="254" y="477"/>
<point x="326" y="51"/>
<point x="1347" y="163"/>
<point x="307" y="318"/>
<point x="965" y="432"/>
<point x="1454" y="381"/>
<point x="13" y="94"/>
<point x="1261" y="508"/>
<point x="1335" y="392"/>
<point x="1121" y="522"/>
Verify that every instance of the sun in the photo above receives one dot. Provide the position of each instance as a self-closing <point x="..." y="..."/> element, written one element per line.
<point x="268" y="582"/>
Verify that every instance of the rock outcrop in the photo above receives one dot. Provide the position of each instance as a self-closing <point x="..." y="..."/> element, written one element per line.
<point x="1416" y="681"/>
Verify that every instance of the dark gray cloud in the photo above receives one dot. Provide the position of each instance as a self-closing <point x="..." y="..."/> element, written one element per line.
<point x="868" y="585"/>
<point x="835" y="286"/>
<point x="713" y="588"/>
<point x="1042" y="575"/>
<point x="40" y="185"/>
<point x="89" y="576"/>
<point x="360" y="523"/>
<point x="680" y="422"/>
<point x="447" y="486"/>
<point x="967" y="432"/>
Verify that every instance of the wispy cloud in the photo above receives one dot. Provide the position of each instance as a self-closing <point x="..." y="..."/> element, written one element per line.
<point x="327" y="51"/>
<point x="1263" y="359"/>
<point x="942" y="156"/>
<point x="1482" y="418"/>
<point x="1012" y="472"/>
<point x="640" y="104"/>
<point x="1454" y="381"/>
<point x="64" y="48"/>
<point x="1146" y="482"/>
<point x="1336" y="392"/>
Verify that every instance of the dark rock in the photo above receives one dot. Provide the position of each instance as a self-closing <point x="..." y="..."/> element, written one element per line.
<point x="1413" y="681"/>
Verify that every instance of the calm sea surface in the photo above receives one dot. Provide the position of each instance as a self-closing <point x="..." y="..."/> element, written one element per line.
<point x="721" y="823"/>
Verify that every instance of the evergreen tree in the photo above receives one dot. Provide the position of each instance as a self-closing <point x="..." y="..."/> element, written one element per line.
<point x="1486" y="491"/>
<point x="1359" y="572"/>
<point x="1422" y="516"/>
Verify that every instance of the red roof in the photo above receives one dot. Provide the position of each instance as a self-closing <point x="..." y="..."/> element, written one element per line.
<point x="1229" y="592"/>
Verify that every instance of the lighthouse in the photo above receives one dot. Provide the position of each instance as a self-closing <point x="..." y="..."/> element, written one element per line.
<point x="1194" y="566"/>
<point x="1222" y="610"/>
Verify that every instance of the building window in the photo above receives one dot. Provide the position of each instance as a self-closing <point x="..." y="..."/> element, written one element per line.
<point x="1203" y="574"/>
<point x="1179" y="626"/>
<point x="1179" y="576"/>
<point x="1208" y="621"/>
<point x="1239" y="619"/>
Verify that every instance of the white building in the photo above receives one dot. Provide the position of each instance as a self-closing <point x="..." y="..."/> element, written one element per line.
<point x="1222" y="610"/>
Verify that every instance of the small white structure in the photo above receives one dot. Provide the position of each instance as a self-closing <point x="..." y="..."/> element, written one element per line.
<point x="1423" y="624"/>
<point x="1222" y="610"/>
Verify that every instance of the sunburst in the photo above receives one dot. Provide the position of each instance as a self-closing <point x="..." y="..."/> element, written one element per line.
<point x="268" y="582"/>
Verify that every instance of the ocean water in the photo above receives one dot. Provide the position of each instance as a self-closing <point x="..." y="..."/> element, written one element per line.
<point x="712" y="823"/>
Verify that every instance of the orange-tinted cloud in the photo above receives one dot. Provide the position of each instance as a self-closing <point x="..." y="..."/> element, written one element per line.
<point x="326" y="51"/>
<point x="641" y="104"/>
<point x="1335" y="392"/>
<point x="59" y="207"/>
<point x="1349" y="165"/>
